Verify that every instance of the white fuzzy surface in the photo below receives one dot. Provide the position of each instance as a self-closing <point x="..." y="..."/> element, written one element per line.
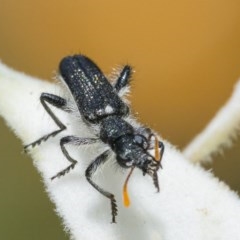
<point x="192" y="203"/>
<point x="219" y="133"/>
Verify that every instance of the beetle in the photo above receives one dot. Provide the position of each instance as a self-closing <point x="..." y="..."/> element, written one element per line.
<point x="99" y="103"/>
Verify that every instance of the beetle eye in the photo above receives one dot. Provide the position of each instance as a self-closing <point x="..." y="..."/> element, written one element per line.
<point x="141" y="141"/>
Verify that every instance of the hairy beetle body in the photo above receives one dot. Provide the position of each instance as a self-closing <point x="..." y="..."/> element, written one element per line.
<point x="99" y="103"/>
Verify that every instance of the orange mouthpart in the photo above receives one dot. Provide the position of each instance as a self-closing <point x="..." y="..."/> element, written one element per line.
<point x="157" y="152"/>
<point x="126" y="199"/>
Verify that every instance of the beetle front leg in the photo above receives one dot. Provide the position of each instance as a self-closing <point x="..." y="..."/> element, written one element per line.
<point x="101" y="159"/>
<point x="161" y="146"/>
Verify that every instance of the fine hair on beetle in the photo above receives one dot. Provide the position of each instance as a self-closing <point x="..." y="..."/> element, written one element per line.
<point x="100" y="103"/>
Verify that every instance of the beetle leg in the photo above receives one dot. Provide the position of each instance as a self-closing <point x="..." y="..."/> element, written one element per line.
<point x="124" y="78"/>
<point x="74" y="141"/>
<point x="101" y="159"/>
<point x="161" y="146"/>
<point x="58" y="102"/>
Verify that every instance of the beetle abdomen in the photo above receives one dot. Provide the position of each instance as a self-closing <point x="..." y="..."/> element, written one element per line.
<point x="94" y="95"/>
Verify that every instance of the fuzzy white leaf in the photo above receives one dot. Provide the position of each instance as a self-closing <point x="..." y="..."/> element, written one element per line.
<point x="219" y="133"/>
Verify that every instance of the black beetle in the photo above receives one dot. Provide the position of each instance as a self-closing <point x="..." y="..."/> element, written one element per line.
<point x="99" y="103"/>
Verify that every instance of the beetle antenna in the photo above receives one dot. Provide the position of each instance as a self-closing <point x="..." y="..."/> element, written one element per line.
<point x="155" y="181"/>
<point x="126" y="199"/>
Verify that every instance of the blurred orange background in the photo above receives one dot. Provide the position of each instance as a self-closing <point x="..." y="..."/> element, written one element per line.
<point x="186" y="55"/>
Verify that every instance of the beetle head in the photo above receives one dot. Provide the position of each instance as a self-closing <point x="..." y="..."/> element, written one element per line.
<point x="135" y="151"/>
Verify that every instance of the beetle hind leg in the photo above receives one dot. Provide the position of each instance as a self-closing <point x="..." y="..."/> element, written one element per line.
<point x="58" y="102"/>
<point x="123" y="79"/>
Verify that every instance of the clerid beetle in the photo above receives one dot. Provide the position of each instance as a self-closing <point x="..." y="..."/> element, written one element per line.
<point x="102" y="103"/>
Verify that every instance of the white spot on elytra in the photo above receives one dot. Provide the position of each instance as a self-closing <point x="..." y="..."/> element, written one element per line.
<point x="108" y="109"/>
